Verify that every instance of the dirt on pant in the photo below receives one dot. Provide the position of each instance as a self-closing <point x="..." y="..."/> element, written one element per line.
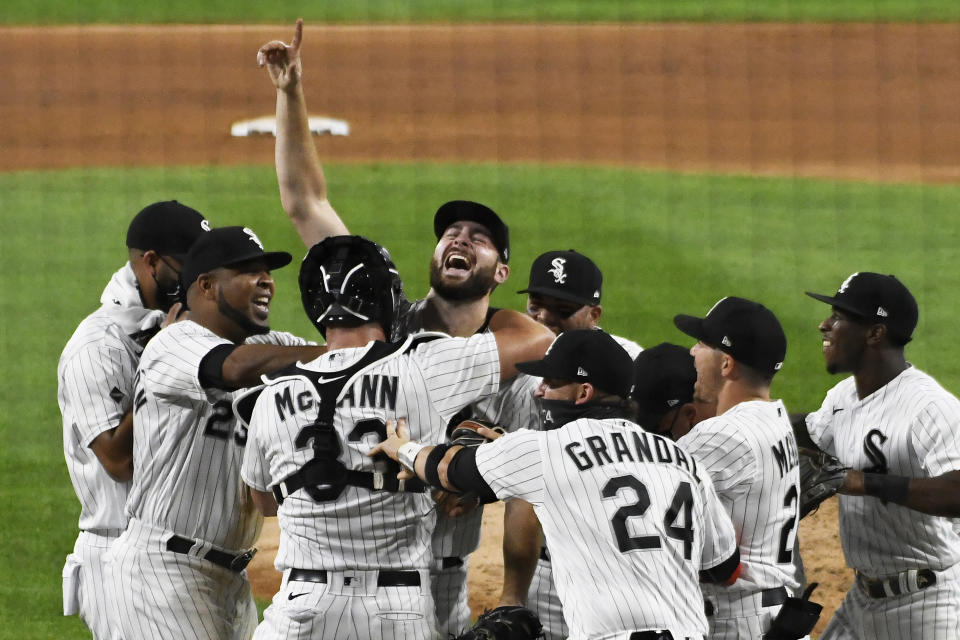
<point x="875" y="102"/>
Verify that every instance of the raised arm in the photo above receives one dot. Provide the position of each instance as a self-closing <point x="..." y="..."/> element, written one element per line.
<point x="303" y="188"/>
<point x="519" y="338"/>
<point x="234" y="367"/>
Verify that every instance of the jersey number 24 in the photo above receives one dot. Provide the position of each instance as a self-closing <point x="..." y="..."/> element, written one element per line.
<point x="682" y="501"/>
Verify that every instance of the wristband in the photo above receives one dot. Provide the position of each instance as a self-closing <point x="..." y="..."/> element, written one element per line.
<point x="887" y="488"/>
<point x="407" y="454"/>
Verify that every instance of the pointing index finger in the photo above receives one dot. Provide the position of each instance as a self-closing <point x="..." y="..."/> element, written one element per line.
<point x="297" y="35"/>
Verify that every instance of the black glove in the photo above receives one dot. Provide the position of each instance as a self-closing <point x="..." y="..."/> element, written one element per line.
<point x="505" y="623"/>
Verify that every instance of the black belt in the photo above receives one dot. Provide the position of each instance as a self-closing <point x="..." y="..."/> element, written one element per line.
<point x="768" y="598"/>
<point x="384" y="578"/>
<point x="885" y="587"/>
<point x="450" y="562"/>
<point x="545" y="556"/>
<point x="320" y="475"/>
<point x="651" y="635"/>
<point x="179" y="544"/>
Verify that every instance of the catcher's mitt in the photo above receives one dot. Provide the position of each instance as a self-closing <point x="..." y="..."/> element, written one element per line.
<point x="465" y="434"/>
<point x="821" y="475"/>
<point x="505" y="623"/>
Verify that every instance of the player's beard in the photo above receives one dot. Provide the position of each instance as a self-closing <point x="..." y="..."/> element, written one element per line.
<point x="241" y="319"/>
<point x="479" y="284"/>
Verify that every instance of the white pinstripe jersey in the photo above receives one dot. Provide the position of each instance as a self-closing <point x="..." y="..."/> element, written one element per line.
<point x="750" y="453"/>
<point x="362" y="529"/>
<point x="187" y="443"/>
<point x="95" y="390"/>
<point x="909" y="427"/>
<point x="631" y="518"/>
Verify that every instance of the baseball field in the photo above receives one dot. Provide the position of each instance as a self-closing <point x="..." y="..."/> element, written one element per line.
<point x="694" y="149"/>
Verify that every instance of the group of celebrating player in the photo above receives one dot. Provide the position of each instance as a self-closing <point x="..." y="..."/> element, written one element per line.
<point x="650" y="494"/>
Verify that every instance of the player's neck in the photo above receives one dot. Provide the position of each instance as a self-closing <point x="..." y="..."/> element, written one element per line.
<point x="459" y="318"/>
<point x="734" y="393"/>
<point x="345" y="338"/>
<point x="878" y="371"/>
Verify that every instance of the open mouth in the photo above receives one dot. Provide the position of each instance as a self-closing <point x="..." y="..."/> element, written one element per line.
<point x="827" y="344"/>
<point x="262" y="304"/>
<point x="456" y="264"/>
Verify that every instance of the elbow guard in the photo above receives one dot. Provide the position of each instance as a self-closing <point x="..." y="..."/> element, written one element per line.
<point x="724" y="573"/>
<point x="462" y="473"/>
<point x="432" y="465"/>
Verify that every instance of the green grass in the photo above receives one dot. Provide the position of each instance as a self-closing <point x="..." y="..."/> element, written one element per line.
<point x="354" y="11"/>
<point x="666" y="243"/>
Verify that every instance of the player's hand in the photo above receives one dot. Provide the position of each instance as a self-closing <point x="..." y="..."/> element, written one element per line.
<point x="454" y="505"/>
<point x="490" y="434"/>
<point x="282" y="60"/>
<point x="397" y="436"/>
<point x="176" y="314"/>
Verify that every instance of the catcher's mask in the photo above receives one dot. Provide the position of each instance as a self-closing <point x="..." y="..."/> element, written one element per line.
<point x="348" y="281"/>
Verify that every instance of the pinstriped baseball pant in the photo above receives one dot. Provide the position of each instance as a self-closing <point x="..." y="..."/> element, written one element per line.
<point x="97" y="607"/>
<point x="449" y="589"/>
<point x="360" y="611"/>
<point x="930" y="614"/>
<point x="543" y="600"/>
<point x="161" y="594"/>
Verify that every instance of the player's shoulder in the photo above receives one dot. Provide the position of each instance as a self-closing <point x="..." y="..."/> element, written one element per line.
<point x="628" y="345"/>
<point x="95" y="334"/>
<point x="724" y="432"/>
<point x="922" y="390"/>
<point x="178" y="338"/>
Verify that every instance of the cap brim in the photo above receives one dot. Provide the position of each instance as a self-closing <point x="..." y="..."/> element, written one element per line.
<point x="538" y="368"/>
<point x="690" y="325"/>
<point x="273" y="259"/>
<point x="559" y="295"/>
<point x="834" y="302"/>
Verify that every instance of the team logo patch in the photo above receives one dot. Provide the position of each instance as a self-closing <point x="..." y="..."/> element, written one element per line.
<point x="116" y="394"/>
<point x="253" y="237"/>
<point x="205" y="225"/>
<point x="582" y="372"/>
<point x="557" y="271"/>
<point x="882" y="312"/>
<point x="846" y="283"/>
<point x="726" y="342"/>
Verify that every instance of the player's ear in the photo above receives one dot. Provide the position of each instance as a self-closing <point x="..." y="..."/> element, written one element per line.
<point x="595" y="312"/>
<point x="151" y="259"/>
<point x="206" y="285"/>
<point x="686" y="419"/>
<point x="728" y="366"/>
<point x="501" y="274"/>
<point x="876" y="335"/>
<point x="585" y="393"/>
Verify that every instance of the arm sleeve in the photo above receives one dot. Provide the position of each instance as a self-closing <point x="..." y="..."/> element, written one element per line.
<point x="459" y="371"/>
<point x="281" y="338"/>
<point x="170" y="365"/>
<point x="465" y="476"/>
<point x="512" y="466"/>
<point x="820" y="424"/>
<point x="96" y="386"/>
<point x="935" y="436"/>
<point x="727" y="456"/>
<point x="255" y="470"/>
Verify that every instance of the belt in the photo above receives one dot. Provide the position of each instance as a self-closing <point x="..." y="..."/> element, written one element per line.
<point x="384" y="578"/>
<point x="179" y="544"/>
<point x="768" y="598"/>
<point x="906" y="582"/>
<point x="545" y="556"/>
<point x="450" y="562"/>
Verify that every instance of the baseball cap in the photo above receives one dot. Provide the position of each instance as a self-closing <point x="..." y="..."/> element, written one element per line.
<point x="224" y="247"/>
<point x="566" y="275"/>
<point x="167" y="227"/>
<point x="586" y="355"/>
<point x="746" y="330"/>
<point x="664" y="379"/>
<point x="877" y="298"/>
<point x="464" y="210"/>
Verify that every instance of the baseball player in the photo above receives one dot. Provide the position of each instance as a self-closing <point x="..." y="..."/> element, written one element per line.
<point x="664" y="377"/>
<point x="178" y="569"/>
<point x="632" y="517"/>
<point x="95" y="392"/>
<point x="469" y="261"/>
<point x="356" y="554"/>
<point x="897" y="428"/>
<point x="564" y="293"/>
<point x="750" y="452"/>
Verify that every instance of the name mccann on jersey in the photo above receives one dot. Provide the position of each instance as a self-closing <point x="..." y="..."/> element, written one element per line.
<point x="641" y="447"/>
<point x="785" y="452"/>
<point x="375" y="391"/>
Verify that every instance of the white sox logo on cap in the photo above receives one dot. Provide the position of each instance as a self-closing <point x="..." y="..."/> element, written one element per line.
<point x="558" y="273"/>
<point x="846" y="283"/>
<point x="253" y="237"/>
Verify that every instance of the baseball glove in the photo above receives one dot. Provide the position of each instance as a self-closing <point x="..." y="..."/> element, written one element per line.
<point x="505" y="623"/>
<point x="821" y="475"/>
<point x="465" y="434"/>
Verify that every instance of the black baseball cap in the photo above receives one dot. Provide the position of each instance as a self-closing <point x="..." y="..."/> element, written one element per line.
<point x="566" y="275"/>
<point x="225" y="247"/>
<point x="167" y="227"/>
<point x="877" y="298"/>
<point x="464" y="210"/>
<point x="664" y="379"/>
<point x="586" y="355"/>
<point x="746" y="330"/>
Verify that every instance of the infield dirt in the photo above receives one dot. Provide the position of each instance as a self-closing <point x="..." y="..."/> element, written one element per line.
<point x="875" y="102"/>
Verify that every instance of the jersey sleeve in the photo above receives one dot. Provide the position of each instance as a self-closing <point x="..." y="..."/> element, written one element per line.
<point x="512" y="465"/>
<point x="281" y="338"/>
<point x="255" y="470"/>
<point x="459" y="371"/>
<point x="170" y="366"/>
<point x="820" y="423"/>
<point x="97" y="386"/>
<point x="513" y="407"/>
<point x="719" y="536"/>
<point x="727" y="456"/>
<point x="935" y="435"/>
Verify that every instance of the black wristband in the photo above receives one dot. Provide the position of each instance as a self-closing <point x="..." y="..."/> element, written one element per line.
<point x="888" y="488"/>
<point x="430" y="469"/>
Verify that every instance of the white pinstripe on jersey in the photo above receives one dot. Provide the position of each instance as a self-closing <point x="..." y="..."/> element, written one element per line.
<point x="616" y="503"/>
<point x="909" y="427"/>
<point x="750" y="453"/>
<point x="362" y="529"/>
<point x="188" y="444"/>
